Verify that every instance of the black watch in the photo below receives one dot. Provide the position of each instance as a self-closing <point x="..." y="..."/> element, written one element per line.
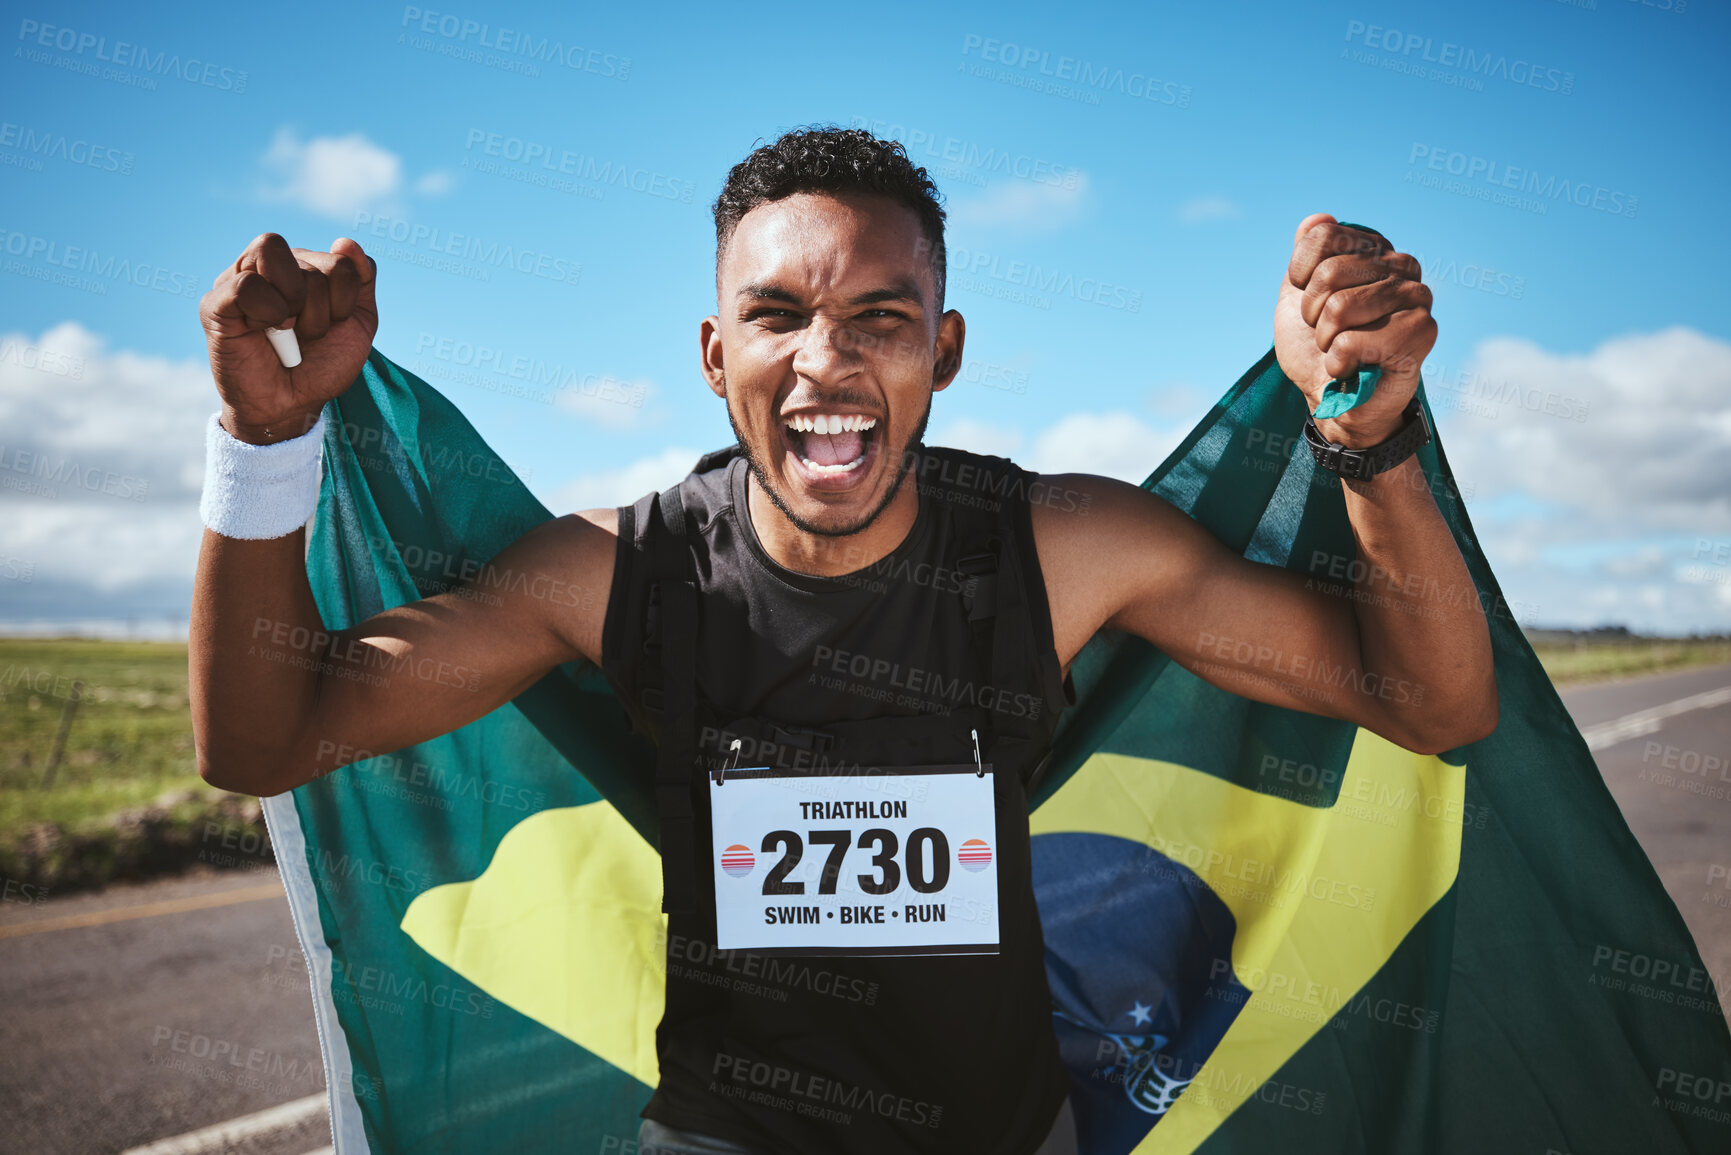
<point x="1359" y="464"/>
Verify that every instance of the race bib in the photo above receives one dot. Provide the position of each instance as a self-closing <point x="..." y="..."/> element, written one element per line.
<point x="898" y="862"/>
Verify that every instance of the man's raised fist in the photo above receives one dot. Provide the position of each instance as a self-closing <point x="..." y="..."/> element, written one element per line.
<point x="1348" y="300"/>
<point x="328" y="300"/>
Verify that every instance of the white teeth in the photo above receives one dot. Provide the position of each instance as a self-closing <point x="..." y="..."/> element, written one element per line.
<point x="830" y="423"/>
<point x="816" y="468"/>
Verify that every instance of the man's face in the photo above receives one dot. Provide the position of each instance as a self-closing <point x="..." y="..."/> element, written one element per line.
<point x="825" y="348"/>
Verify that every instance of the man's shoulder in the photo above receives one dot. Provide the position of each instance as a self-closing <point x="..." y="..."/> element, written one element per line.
<point x="1077" y="506"/>
<point x="605" y="520"/>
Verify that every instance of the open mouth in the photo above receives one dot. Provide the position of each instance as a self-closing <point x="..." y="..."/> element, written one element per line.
<point x="831" y="450"/>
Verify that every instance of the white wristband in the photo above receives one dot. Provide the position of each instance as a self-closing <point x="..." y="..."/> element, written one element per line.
<point x="255" y="492"/>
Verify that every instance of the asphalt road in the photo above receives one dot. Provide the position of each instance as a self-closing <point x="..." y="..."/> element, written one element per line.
<point x="133" y="1014"/>
<point x="1674" y="787"/>
<point x="116" y="1033"/>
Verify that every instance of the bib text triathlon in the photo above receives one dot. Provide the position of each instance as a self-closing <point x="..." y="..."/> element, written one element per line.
<point x="898" y="861"/>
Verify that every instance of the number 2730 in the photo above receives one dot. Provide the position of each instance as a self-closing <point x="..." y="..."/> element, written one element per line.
<point x="887" y="875"/>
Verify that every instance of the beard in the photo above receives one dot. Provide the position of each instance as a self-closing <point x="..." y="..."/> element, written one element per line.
<point x="904" y="461"/>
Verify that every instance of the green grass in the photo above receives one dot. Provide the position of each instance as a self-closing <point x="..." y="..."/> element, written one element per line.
<point x="1600" y="661"/>
<point x="130" y="742"/>
<point x="131" y="734"/>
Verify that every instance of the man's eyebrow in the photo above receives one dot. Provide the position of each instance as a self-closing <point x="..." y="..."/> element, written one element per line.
<point x="900" y="289"/>
<point x="767" y="291"/>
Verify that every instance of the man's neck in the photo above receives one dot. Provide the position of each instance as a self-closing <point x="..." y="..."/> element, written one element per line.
<point x="822" y="556"/>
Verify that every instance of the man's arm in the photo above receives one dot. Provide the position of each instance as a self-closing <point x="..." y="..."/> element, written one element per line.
<point x="1405" y="651"/>
<point x="277" y="699"/>
<point x="1406" y="655"/>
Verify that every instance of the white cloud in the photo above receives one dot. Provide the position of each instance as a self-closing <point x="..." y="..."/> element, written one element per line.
<point x="101" y="463"/>
<point x="604" y="400"/>
<point x="978" y="437"/>
<point x="334" y="176"/>
<point x="109" y="550"/>
<point x="1644" y="562"/>
<point x="1180" y="401"/>
<point x="436" y="183"/>
<point x="1198" y="210"/>
<point x="1025" y="206"/>
<point x="1117" y="444"/>
<point x="622" y="486"/>
<point x="1541" y="589"/>
<point x="1510" y="544"/>
<point x="1632" y="437"/>
<point x="77" y="417"/>
<point x="1598" y="475"/>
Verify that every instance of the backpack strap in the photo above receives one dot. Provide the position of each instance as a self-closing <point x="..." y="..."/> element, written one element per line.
<point x="1012" y="654"/>
<point x="716" y="458"/>
<point x="998" y="614"/>
<point x="673" y="605"/>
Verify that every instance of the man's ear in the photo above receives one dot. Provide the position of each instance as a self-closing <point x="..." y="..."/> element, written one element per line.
<point x="709" y="352"/>
<point x="947" y="362"/>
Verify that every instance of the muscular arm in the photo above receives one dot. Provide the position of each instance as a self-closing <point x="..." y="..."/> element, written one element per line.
<point x="278" y="700"/>
<point x="1411" y="663"/>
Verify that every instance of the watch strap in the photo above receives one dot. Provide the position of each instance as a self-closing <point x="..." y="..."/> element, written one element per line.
<point x="1359" y="464"/>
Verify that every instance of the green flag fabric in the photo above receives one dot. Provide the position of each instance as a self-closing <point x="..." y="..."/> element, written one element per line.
<point x="1265" y="930"/>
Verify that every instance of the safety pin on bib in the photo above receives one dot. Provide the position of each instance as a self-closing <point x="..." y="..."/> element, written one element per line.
<point x="733" y="763"/>
<point x="977" y="764"/>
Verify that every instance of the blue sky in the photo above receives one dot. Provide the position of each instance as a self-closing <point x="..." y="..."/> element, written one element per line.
<point x="1557" y="167"/>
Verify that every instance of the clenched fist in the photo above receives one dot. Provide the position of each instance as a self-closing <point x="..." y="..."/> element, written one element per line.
<point x="326" y="297"/>
<point x="1349" y="300"/>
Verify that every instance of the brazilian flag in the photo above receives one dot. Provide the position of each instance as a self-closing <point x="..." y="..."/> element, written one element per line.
<point x="1265" y="930"/>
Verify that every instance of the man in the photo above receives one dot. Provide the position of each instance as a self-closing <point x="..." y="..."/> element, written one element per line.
<point x="833" y="603"/>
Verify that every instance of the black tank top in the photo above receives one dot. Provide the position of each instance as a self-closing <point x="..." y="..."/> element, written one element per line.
<point x="891" y="665"/>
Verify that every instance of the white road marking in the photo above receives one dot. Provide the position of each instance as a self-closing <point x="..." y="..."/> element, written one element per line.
<point x="1648" y="721"/>
<point x="221" y="1136"/>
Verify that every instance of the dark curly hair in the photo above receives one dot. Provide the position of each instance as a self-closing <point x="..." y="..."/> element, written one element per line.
<point x="829" y="158"/>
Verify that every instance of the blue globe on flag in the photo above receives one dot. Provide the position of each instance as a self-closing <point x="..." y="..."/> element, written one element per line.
<point x="1140" y="996"/>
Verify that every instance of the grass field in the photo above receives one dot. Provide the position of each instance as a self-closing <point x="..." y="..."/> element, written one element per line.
<point x="1599" y="661"/>
<point x="130" y="737"/>
<point x="128" y="744"/>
